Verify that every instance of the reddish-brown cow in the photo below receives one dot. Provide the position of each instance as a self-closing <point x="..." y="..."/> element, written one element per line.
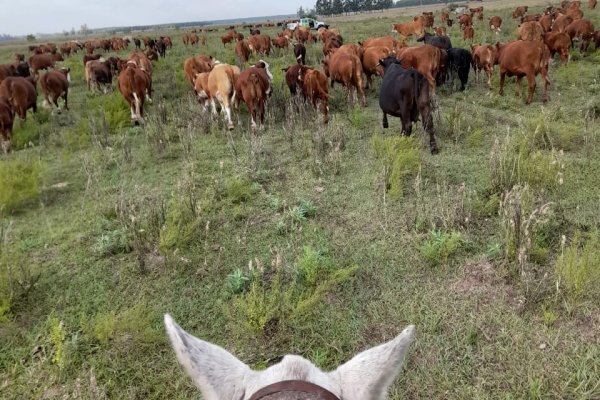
<point x="524" y="58"/>
<point x="7" y="117"/>
<point x="347" y="70"/>
<point x="519" y="11"/>
<point x="55" y="84"/>
<point x="21" y="94"/>
<point x="135" y="84"/>
<point x="484" y="59"/>
<point x="426" y="59"/>
<point x="558" y="42"/>
<point x="314" y="87"/>
<point x="414" y="27"/>
<point x="253" y="86"/>
<point x="495" y="24"/>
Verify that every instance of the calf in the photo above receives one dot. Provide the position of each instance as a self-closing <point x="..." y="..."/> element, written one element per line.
<point x="415" y="27"/>
<point x="468" y="33"/>
<point x="440" y="41"/>
<point x="291" y="77"/>
<point x="558" y="42"/>
<point x="300" y="53"/>
<point x="260" y="44"/>
<point x="242" y="51"/>
<point x="135" y="84"/>
<point x="484" y="59"/>
<point x="370" y="62"/>
<point x="98" y="72"/>
<point x="581" y="30"/>
<point x="459" y="64"/>
<point x="201" y="89"/>
<point x="21" y="94"/>
<point x="495" y="24"/>
<point x="55" y="84"/>
<point x="404" y="94"/>
<point x="43" y="61"/>
<point x="280" y="42"/>
<point x="519" y="11"/>
<point x="314" y="87"/>
<point x="7" y="117"/>
<point x="530" y="31"/>
<point x="196" y="65"/>
<point x="252" y="87"/>
<point x="347" y="70"/>
<point x="464" y="21"/>
<point x="524" y="58"/>
<point x="426" y="59"/>
<point x="221" y="85"/>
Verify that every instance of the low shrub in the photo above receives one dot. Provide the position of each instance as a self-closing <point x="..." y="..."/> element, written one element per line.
<point x="577" y="269"/>
<point x="441" y="247"/>
<point x="400" y="156"/>
<point x="19" y="183"/>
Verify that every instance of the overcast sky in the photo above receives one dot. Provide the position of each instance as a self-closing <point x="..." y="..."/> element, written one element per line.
<point x="19" y="17"/>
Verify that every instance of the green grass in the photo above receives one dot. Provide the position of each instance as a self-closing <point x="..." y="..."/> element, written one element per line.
<point x="296" y="242"/>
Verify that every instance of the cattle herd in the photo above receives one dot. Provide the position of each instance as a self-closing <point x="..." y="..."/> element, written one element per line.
<point x="410" y="74"/>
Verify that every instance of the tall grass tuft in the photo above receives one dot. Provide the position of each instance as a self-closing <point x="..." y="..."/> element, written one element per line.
<point x="400" y="156"/>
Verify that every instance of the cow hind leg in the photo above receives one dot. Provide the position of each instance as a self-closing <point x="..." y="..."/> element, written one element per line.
<point x="502" y="78"/>
<point x="531" y="81"/>
<point x="424" y="104"/>
<point x="385" y="121"/>
<point x="518" y="86"/>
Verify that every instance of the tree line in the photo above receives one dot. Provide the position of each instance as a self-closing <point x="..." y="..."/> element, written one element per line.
<point x="332" y="7"/>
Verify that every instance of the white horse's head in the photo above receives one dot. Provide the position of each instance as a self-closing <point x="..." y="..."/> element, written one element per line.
<point x="221" y="376"/>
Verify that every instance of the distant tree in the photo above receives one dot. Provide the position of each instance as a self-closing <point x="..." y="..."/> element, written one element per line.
<point x="30" y="38"/>
<point x="84" y="30"/>
<point x="323" y="7"/>
<point x="65" y="33"/>
<point x="72" y="31"/>
<point x="301" y="13"/>
<point x="337" y="7"/>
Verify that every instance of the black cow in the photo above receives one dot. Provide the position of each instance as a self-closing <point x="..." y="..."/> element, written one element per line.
<point x="254" y="31"/>
<point x="459" y="63"/>
<point x="161" y="48"/>
<point x="442" y="42"/>
<point x="300" y="53"/>
<point x="138" y="43"/>
<point x="22" y="69"/>
<point x="405" y="94"/>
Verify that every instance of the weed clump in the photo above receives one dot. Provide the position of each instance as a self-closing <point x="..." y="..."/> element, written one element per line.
<point x="400" y="156"/>
<point x="577" y="269"/>
<point x="19" y="183"/>
<point x="441" y="247"/>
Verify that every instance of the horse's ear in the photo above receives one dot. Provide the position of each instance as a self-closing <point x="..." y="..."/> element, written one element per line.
<point x="217" y="373"/>
<point x="369" y="374"/>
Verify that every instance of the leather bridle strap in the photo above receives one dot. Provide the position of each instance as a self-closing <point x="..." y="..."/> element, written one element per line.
<point x="294" y="386"/>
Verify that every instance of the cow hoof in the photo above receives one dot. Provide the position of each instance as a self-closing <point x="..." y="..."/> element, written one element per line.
<point x="230" y="127"/>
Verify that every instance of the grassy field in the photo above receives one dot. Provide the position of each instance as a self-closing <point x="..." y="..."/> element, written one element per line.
<point x="319" y="241"/>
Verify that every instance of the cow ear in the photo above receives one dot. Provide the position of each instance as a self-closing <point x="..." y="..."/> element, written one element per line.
<point x="369" y="374"/>
<point x="217" y="373"/>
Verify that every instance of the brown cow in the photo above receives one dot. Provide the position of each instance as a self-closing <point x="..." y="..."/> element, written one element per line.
<point x="386" y="41"/>
<point x="201" y="89"/>
<point x="291" y="78"/>
<point x="575" y="14"/>
<point x="253" y="86"/>
<point x="314" y="87"/>
<point x="561" y="22"/>
<point x="194" y="39"/>
<point x="196" y="65"/>
<point x="530" y="31"/>
<point x="280" y="42"/>
<point x="519" y="11"/>
<point x="351" y="48"/>
<point x="581" y="30"/>
<point x="426" y="59"/>
<point x="468" y="33"/>
<point x="21" y="94"/>
<point x="440" y="30"/>
<point x="203" y="39"/>
<point x="484" y="59"/>
<point x="242" y="51"/>
<point x="347" y="70"/>
<point x="101" y="72"/>
<point x="141" y="61"/>
<point x="331" y="44"/>
<point x="464" y="21"/>
<point x="445" y="16"/>
<point x="428" y="19"/>
<point x="592" y="4"/>
<point x="186" y="39"/>
<point x="19" y="57"/>
<point x="260" y="44"/>
<point x="55" y="84"/>
<point x="43" y="61"/>
<point x="495" y="24"/>
<point x="531" y="18"/>
<point x="370" y="61"/>
<point x="524" y="58"/>
<point x="558" y="42"/>
<point x="221" y="85"/>
<point x="7" y="117"/>
<point x="546" y="22"/>
<point x="135" y="84"/>
<point x="414" y="27"/>
<point x="597" y="39"/>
